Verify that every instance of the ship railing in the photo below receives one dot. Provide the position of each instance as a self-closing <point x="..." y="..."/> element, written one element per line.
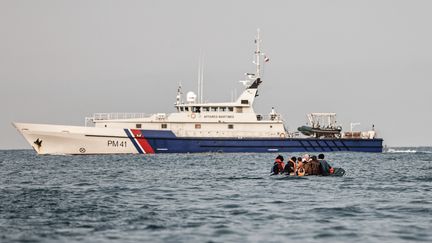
<point x="89" y="122"/>
<point x="118" y="116"/>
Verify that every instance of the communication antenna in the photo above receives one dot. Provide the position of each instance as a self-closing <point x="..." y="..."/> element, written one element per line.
<point x="258" y="54"/>
<point x="179" y="93"/>
<point x="200" y="77"/>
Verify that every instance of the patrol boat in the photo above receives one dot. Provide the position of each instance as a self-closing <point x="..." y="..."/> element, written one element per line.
<point x="195" y="126"/>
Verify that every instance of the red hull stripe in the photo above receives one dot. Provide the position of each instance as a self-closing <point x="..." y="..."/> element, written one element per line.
<point x="133" y="140"/>
<point x="139" y="137"/>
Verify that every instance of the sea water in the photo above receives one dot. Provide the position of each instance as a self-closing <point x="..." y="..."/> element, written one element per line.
<point x="213" y="198"/>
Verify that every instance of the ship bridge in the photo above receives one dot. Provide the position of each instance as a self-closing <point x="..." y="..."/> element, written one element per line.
<point x="195" y="118"/>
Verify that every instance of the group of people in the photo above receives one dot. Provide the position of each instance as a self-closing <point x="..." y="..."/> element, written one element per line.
<point x="301" y="166"/>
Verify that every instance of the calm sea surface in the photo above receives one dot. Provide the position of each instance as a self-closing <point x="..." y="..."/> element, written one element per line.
<point x="213" y="198"/>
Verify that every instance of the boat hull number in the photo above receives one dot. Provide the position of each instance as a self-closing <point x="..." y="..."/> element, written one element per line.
<point x="116" y="143"/>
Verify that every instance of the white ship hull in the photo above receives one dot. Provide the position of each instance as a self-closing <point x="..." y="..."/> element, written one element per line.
<point x="58" y="139"/>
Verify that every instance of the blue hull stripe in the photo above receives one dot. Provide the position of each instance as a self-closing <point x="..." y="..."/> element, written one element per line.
<point x="167" y="142"/>
<point x="191" y="145"/>
<point x="133" y="141"/>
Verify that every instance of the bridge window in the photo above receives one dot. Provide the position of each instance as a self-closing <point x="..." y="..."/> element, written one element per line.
<point x="230" y="109"/>
<point x="206" y="109"/>
<point x="230" y="126"/>
<point x="197" y="126"/>
<point x="214" y="109"/>
<point x="196" y="109"/>
<point x="181" y="108"/>
<point x="138" y="125"/>
<point x="223" y="109"/>
<point x="239" y="110"/>
<point x="164" y="126"/>
<point x="244" y="102"/>
<point x="186" y="108"/>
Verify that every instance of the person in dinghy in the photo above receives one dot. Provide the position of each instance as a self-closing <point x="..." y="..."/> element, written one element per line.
<point x="290" y="167"/>
<point x="305" y="166"/>
<point x="278" y="165"/>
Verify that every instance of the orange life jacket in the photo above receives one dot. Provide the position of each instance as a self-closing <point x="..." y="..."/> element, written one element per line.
<point x="301" y="171"/>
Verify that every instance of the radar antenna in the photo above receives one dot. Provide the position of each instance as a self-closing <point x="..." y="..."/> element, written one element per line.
<point x="245" y="82"/>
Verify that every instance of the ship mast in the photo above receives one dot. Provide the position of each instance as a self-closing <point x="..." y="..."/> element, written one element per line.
<point x="258" y="55"/>
<point x="257" y="61"/>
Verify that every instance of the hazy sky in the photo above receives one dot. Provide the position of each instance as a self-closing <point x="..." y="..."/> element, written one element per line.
<point x="368" y="61"/>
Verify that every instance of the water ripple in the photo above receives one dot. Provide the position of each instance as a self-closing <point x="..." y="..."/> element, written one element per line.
<point x="178" y="198"/>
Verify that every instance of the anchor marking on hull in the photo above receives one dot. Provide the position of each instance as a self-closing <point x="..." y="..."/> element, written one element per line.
<point x="38" y="142"/>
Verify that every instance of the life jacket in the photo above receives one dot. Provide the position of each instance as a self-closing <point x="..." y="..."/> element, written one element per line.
<point x="301" y="171"/>
<point x="308" y="168"/>
<point x="314" y="168"/>
<point x="280" y="165"/>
